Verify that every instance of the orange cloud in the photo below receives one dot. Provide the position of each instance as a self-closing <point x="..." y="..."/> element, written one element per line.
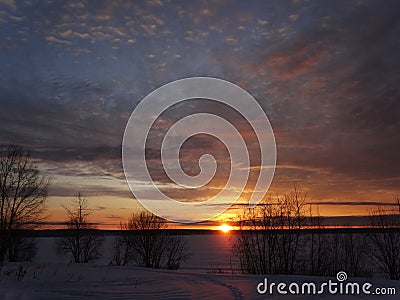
<point x="298" y="62"/>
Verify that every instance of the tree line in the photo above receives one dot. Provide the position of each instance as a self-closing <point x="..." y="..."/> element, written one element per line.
<point x="23" y="191"/>
<point x="272" y="240"/>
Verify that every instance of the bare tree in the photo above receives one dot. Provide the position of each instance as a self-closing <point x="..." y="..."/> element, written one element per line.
<point x="319" y="245"/>
<point x="23" y="192"/>
<point x="82" y="240"/>
<point x="21" y="248"/>
<point x="331" y="252"/>
<point x="255" y="241"/>
<point x="146" y="243"/>
<point x="122" y="254"/>
<point x="176" y="252"/>
<point x="269" y="235"/>
<point x="339" y="251"/>
<point x="353" y="253"/>
<point x="291" y="219"/>
<point x="385" y="240"/>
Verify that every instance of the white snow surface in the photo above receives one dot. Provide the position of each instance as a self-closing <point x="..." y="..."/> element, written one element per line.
<point x="210" y="274"/>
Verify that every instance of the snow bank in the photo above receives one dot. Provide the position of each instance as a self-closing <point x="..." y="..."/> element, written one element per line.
<point x="88" y="281"/>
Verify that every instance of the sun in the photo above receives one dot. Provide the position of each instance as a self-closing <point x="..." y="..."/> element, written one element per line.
<point x="225" y="228"/>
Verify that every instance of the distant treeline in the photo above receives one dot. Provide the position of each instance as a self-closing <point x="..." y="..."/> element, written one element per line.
<point x="107" y="232"/>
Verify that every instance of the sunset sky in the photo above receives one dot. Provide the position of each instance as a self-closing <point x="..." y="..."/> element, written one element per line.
<point x="326" y="73"/>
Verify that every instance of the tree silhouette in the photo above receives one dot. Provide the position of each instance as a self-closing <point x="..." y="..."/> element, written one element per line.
<point x="146" y="243"/>
<point x="82" y="241"/>
<point x="23" y="192"/>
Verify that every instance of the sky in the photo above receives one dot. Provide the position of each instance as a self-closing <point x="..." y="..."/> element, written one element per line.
<point x="326" y="73"/>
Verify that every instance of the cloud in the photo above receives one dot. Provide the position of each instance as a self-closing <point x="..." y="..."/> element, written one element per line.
<point x="328" y="85"/>
<point x="114" y="217"/>
<point x="297" y="62"/>
<point x="9" y="3"/>
<point x="52" y="39"/>
<point x="356" y="203"/>
<point x="89" y="190"/>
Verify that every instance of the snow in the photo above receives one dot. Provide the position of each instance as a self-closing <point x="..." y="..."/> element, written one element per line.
<point x="208" y="275"/>
<point x="209" y="253"/>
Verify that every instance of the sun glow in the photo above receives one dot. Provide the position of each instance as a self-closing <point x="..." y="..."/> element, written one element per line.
<point x="225" y="228"/>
